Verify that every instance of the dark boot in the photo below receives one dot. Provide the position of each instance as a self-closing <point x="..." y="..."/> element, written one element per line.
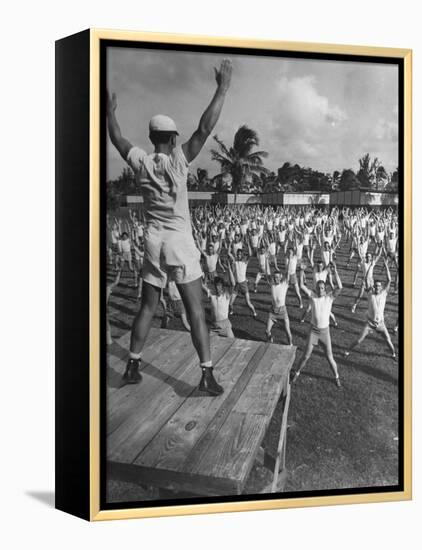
<point x="132" y="374"/>
<point x="208" y="383"/>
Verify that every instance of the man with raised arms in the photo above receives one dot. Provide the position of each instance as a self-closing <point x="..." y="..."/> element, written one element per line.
<point x="321" y="304"/>
<point x="170" y="250"/>
<point x="377" y="297"/>
<point x="279" y="285"/>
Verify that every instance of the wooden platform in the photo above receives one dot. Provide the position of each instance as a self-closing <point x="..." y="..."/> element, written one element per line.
<point x="162" y="433"/>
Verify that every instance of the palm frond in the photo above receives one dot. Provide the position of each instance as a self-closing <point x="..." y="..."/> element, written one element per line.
<point x="262" y="154"/>
<point x="223" y="160"/>
<point x="222" y="145"/>
<point x="244" y="140"/>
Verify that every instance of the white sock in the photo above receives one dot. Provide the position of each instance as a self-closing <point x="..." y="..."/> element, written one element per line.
<point x="206" y="364"/>
<point x="135" y="355"/>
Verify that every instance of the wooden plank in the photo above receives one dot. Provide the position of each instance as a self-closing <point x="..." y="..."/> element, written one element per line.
<point x="234" y="448"/>
<point x="118" y="352"/>
<point x="170" y="480"/>
<point x="171" y="446"/>
<point x="281" y="443"/>
<point x="145" y="417"/>
<point x="154" y="355"/>
<point x="268" y="381"/>
<point x="132" y="400"/>
<point x="205" y="443"/>
<point x="157" y="342"/>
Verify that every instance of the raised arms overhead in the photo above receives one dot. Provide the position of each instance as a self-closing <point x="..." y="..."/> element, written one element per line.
<point x="119" y="142"/>
<point x="211" y="114"/>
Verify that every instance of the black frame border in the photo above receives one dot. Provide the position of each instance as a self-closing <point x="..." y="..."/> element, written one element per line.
<point x="132" y="44"/>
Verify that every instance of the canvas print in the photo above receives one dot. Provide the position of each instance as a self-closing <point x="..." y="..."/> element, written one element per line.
<point x="251" y="275"/>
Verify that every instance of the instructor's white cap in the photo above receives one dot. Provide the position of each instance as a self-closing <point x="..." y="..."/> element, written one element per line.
<point x="162" y="123"/>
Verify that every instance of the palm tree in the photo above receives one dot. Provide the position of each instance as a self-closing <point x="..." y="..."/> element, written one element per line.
<point x="240" y="161"/>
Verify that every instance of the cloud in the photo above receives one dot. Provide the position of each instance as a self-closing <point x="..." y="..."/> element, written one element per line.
<point x="321" y="114"/>
<point x="304" y="119"/>
<point x="386" y="130"/>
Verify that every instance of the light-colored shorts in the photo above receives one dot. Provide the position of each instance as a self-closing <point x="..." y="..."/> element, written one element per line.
<point x="241" y="288"/>
<point x="373" y="325"/>
<point x="318" y="335"/>
<point x="127" y="256"/>
<point x="169" y="254"/>
<point x="293" y="279"/>
<point x="222" y="328"/>
<point x="278" y="314"/>
<point x="367" y="282"/>
<point x="209" y="276"/>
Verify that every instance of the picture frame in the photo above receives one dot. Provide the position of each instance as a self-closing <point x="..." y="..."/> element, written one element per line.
<point x="82" y="447"/>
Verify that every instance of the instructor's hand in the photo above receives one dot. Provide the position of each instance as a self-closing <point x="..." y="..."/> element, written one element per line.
<point x="224" y="74"/>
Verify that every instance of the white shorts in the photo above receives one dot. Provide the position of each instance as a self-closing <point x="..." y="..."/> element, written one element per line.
<point x="171" y="255"/>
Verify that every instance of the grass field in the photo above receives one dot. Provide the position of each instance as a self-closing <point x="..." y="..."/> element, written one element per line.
<point x="337" y="437"/>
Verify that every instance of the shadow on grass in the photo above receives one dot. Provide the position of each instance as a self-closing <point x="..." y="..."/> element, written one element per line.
<point x="371" y="371"/>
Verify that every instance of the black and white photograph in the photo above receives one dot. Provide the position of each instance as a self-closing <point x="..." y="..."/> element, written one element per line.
<point x="252" y="274"/>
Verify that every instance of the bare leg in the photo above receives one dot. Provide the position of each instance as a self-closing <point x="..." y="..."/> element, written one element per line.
<point x="388" y="340"/>
<point x="143" y="320"/>
<point x="232" y="299"/>
<point x="330" y="358"/>
<point x="257" y="279"/>
<point x="311" y="257"/>
<point x="135" y="275"/>
<point x="362" y="336"/>
<point x="191" y="294"/>
<point x="270" y="324"/>
<point x="230" y="333"/>
<point x="298" y="295"/>
<point x="185" y="322"/>
<point x="358" y="298"/>
<point x="305" y="357"/>
<point x="350" y="258"/>
<point x="355" y="278"/>
<point x="249" y="304"/>
<point x="307" y="310"/>
<point x="288" y="331"/>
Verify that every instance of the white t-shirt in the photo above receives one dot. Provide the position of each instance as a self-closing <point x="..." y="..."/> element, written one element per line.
<point x="220" y="307"/>
<point x="125" y="245"/>
<point x="320" y="276"/>
<point x="292" y="264"/>
<point x="211" y="261"/>
<point x="376" y="305"/>
<point x="262" y="260"/>
<point x="321" y="309"/>
<point x="240" y="271"/>
<point x="237" y="246"/>
<point x="278" y="294"/>
<point x="162" y="180"/>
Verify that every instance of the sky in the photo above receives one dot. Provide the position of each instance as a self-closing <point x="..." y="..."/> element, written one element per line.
<point x="321" y="114"/>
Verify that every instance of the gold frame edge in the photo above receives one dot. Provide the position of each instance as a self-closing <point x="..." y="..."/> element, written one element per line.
<point x="253" y="505"/>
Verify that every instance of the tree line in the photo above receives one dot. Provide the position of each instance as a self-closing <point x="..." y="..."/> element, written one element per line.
<point x="242" y="170"/>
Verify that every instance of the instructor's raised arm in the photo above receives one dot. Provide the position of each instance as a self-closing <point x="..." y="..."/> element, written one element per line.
<point x="211" y="114"/>
<point x="119" y="142"/>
